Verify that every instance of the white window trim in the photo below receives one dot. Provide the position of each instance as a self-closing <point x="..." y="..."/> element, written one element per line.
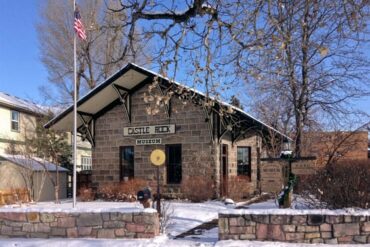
<point x="18" y="121"/>
<point x="88" y="165"/>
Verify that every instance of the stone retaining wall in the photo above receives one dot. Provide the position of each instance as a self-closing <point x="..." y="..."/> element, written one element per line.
<point x="308" y="228"/>
<point x="81" y="224"/>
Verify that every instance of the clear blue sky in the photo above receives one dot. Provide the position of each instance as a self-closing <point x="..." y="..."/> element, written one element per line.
<point x="21" y="71"/>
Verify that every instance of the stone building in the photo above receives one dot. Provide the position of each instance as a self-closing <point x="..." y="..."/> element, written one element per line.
<point x="136" y="111"/>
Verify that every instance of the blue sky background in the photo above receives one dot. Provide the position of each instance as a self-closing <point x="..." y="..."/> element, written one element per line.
<point x="21" y="71"/>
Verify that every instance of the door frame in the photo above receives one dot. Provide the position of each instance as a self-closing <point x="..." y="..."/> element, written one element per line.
<point x="224" y="169"/>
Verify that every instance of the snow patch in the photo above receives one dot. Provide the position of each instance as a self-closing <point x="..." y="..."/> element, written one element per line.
<point x="34" y="163"/>
<point x="276" y="211"/>
<point x="81" y="207"/>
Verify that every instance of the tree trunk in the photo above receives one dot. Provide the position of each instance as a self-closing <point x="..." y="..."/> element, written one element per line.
<point x="298" y="138"/>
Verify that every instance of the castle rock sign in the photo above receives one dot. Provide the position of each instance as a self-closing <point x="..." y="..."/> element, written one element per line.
<point x="149" y="130"/>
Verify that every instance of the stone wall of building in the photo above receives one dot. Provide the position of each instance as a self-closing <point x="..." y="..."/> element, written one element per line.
<point x="253" y="141"/>
<point x="200" y="154"/>
<point x="192" y="132"/>
<point x="76" y="225"/>
<point x="298" y="228"/>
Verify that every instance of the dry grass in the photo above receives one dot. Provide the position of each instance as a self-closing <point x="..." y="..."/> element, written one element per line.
<point x="13" y="196"/>
<point x="197" y="188"/>
<point x="339" y="185"/>
<point x="124" y="191"/>
<point x="86" y="194"/>
<point x="239" y="187"/>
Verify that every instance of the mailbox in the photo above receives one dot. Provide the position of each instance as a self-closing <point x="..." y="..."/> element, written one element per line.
<point x="144" y="197"/>
<point x="144" y="194"/>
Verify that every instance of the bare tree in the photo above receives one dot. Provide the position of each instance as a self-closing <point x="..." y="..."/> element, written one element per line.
<point x="194" y="35"/>
<point x="98" y="57"/>
<point x="310" y="64"/>
<point x="32" y="172"/>
<point x="304" y="54"/>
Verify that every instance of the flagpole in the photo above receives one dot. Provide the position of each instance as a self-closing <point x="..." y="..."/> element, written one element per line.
<point x="74" y="115"/>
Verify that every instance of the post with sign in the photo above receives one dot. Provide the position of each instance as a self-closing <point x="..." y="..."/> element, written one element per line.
<point x="158" y="157"/>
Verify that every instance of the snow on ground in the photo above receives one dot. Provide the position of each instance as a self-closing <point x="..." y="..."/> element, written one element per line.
<point x="240" y="243"/>
<point x="156" y="242"/>
<point x="288" y="211"/>
<point x="186" y="215"/>
<point x="207" y="237"/>
<point x="66" y="206"/>
<point x="299" y="206"/>
<point x="269" y="204"/>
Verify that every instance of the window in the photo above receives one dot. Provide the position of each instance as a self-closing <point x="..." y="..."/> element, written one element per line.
<point x="126" y="163"/>
<point x="244" y="161"/>
<point x="86" y="163"/>
<point x="15" y="121"/>
<point x="174" y="168"/>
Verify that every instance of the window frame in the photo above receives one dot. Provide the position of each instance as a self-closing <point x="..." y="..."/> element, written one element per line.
<point x="121" y="177"/>
<point x="168" y="180"/>
<point x="89" y="165"/>
<point x="249" y="171"/>
<point x="15" y="121"/>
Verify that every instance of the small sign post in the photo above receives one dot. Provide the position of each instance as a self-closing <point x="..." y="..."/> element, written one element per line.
<point x="158" y="157"/>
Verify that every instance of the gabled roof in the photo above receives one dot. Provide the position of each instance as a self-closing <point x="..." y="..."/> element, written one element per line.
<point x="13" y="102"/>
<point x="129" y="78"/>
<point x="33" y="163"/>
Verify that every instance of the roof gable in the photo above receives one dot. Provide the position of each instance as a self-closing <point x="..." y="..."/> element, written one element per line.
<point x="15" y="103"/>
<point x="129" y="79"/>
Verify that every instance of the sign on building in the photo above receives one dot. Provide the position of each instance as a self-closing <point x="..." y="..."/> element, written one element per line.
<point x="149" y="130"/>
<point x="151" y="141"/>
<point x="304" y="167"/>
<point x="273" y="176"/>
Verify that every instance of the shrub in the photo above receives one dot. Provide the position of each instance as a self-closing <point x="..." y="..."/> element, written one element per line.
<point x="86" y="194"/>
<point x="339" y="185"/>
<point x="197" y="188"/>
<point x="123" y="191"/>
<point x="238" y="187"/>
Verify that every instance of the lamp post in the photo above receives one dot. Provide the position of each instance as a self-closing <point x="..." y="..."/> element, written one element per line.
<point x="158" y="157"/>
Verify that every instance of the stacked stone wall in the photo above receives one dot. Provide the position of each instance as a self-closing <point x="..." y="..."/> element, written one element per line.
<point x="311" y="228"/>
<point x="251" y="142"/>
<point x="78" y="225"/>
<point x="192" y="132"/>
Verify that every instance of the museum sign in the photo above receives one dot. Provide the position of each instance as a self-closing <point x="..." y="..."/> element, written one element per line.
<point x="151" y="141"/>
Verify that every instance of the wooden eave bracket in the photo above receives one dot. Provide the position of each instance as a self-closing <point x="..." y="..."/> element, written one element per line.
<point x="124" y="96"/>
<point x="209" y="119"/>
<point x="223" y="128"/>
<point x="235" y="136"/>
<point x="87" y="127"/>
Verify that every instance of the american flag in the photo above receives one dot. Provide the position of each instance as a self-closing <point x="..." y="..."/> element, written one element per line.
<point x="78" y="26"/>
